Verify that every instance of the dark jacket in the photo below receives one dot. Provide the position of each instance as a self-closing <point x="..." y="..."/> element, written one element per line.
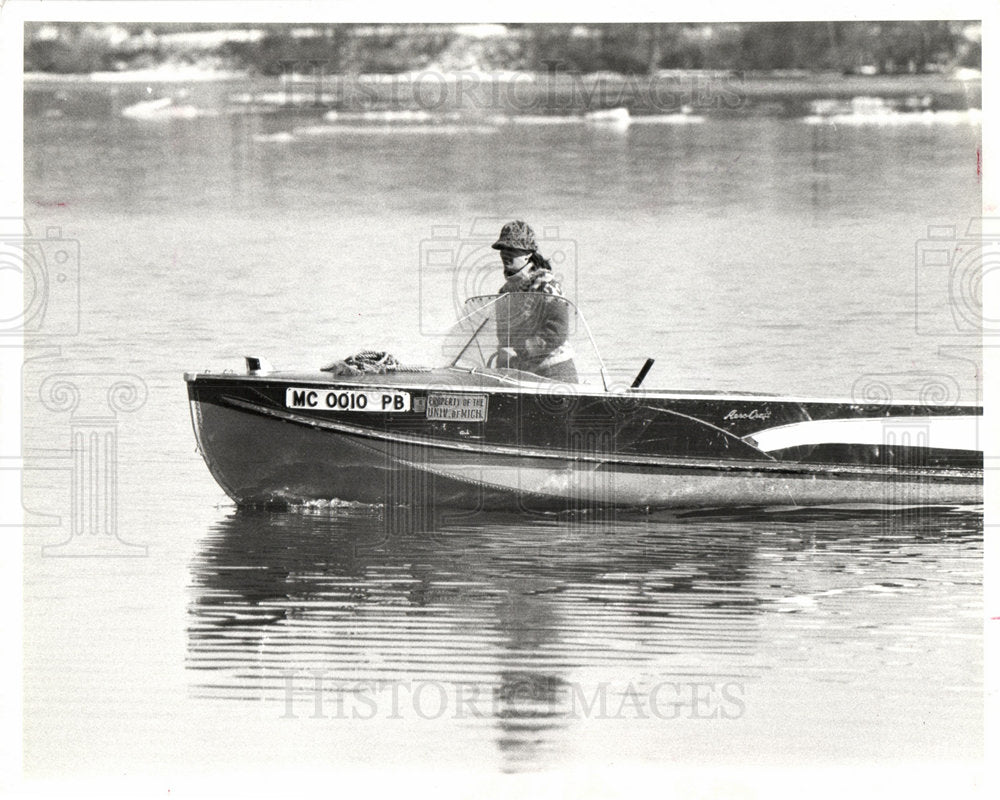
<point x="533" y="325"/>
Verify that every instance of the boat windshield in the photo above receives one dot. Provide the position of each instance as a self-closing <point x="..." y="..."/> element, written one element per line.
<point x="527" y="336"/>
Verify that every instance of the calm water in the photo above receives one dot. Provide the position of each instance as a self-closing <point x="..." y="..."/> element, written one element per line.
<point x="745" y="253"/>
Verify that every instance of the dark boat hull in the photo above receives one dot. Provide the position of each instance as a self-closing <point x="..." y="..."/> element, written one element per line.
<point x="552" y="447"/>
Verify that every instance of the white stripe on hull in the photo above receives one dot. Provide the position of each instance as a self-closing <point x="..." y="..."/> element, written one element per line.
<point x="951" y="432"/>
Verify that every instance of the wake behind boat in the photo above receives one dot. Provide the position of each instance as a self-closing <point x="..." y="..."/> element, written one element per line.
<point x="485" y="431"/>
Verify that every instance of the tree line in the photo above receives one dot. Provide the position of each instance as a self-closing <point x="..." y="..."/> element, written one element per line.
<point x="625" y="48"/>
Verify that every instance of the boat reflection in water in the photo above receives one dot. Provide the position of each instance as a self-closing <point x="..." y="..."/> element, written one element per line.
<point x="543" y="640"/>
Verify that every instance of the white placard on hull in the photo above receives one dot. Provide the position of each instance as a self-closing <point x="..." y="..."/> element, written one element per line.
<point x="386" y="401"/>
<point x="456" y="407"/>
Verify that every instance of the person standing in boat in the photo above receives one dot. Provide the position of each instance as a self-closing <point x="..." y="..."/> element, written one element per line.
<point x="532" y="324"/>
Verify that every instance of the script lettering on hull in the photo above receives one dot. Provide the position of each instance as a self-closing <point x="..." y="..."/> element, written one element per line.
<point x="752" y="414"/>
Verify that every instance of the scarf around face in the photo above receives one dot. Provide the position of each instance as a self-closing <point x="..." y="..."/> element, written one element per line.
<point x="534" y="279"/>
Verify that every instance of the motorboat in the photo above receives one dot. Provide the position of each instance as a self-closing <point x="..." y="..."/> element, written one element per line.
<point x="486" y="429"/>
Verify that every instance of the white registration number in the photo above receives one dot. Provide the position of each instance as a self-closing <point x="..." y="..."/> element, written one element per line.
<point x="381" y="402"/>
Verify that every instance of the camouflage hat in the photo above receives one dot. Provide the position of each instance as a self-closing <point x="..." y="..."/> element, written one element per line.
<point x="516" y="235"/>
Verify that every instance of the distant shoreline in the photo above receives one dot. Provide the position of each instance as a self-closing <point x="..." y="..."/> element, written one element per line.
<point x="782" y="77"/>
<point x="703" y="91"/>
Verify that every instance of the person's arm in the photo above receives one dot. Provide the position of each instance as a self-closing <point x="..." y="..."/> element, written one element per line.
<point x="553" y="328"/>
